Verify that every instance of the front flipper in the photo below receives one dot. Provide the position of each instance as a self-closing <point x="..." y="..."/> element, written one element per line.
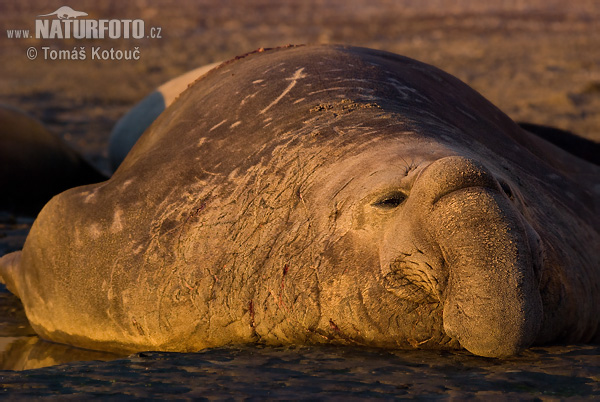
<point x="9" y="272"/>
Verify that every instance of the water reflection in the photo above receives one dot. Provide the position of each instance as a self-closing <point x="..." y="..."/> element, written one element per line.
<point x="31" y="352"/>
<point x="21" y="349"/>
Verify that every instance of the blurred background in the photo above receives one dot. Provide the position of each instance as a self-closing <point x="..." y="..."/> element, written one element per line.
<point x="537" y="60"/>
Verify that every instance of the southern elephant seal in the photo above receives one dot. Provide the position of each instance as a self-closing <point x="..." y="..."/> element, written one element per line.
<point x="132" y="125"/>
<point x="322" y="194"/>
<point x="35" y="164"/>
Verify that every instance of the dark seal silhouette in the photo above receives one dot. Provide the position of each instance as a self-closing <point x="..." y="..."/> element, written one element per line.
<point x="581" y="147"/>
<point x="35" y="165"/>
<point x="322" y="194"/>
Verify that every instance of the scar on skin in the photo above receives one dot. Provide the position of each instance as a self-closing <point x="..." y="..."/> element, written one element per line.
<point x="117" y="225"/>
<point x="297" y="75"/>
<point x="217" y="125"/>
<point x="94" y="231"/>
<point x="127" y="183"/>
<point x="90" y="196"/>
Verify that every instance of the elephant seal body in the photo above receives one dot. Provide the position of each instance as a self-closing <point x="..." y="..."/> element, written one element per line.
<point x="35" y="165"/>
<point x="322" y="194"/>
<point x="583" y="148"/>
<point x="131" y="126"/>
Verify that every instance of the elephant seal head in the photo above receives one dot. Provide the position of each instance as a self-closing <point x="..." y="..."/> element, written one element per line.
<point x="322" y="194"/>
<point x="453" y="248"/>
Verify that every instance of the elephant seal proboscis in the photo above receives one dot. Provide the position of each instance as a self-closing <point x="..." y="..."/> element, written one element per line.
<point x="322" y="194"/>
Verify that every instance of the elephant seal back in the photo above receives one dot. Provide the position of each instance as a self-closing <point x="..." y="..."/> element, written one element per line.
<point x="132" y="125"/>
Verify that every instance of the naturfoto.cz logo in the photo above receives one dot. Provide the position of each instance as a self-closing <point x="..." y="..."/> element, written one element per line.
<point x="67" y="23"/>
<point x="67" y="26"/>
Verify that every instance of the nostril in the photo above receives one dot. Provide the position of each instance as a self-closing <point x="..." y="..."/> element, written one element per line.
<point x="450" y="174"/>
<point x="506" y="188"/>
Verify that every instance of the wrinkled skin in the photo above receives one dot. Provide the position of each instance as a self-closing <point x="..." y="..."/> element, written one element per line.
<point x="322" y="194"/>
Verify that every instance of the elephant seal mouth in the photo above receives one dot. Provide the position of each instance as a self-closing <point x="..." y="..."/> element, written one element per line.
<point x="410" y="278"/>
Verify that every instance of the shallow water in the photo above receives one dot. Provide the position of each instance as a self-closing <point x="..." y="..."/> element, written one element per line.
<point x="317" y="372"/>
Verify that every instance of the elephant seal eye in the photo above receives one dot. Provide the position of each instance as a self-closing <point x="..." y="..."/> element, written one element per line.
<point x="390" y="200"/>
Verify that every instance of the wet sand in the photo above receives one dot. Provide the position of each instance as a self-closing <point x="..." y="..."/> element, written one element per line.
<point x="538" y="61"/>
